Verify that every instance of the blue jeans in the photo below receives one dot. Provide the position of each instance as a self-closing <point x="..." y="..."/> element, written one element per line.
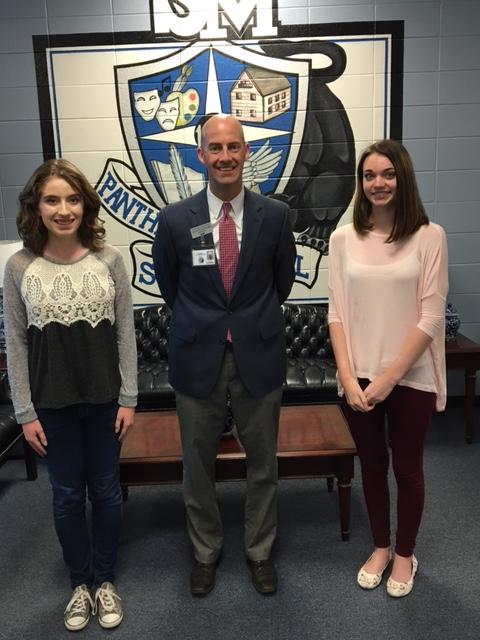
<point x="83" y="452"/>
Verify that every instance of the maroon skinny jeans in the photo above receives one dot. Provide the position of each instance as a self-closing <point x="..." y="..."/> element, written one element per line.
<point x="408" y="413"/>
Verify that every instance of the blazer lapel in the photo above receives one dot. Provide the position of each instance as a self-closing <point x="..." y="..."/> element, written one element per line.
<point x="252" y="222"/>
<point x="198" y="215"/>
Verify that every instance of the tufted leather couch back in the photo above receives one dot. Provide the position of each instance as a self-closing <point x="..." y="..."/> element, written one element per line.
<point x="151" y="331"/>
<point x="306" y="331"/>
<point x="311" y="368"/>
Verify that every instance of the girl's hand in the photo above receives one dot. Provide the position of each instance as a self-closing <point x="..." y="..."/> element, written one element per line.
<point x="35" y="436"/>
<point x="379" y="389"/>
<point x="125" y="418"/>
<point x="355" y="396"/>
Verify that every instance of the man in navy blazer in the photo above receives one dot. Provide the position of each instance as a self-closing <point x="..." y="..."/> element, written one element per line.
<point x="227" y="341"/>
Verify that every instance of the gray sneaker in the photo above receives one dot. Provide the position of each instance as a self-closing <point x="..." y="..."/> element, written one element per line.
<point x="78" y="611"/>
<point x="107" y="603"/>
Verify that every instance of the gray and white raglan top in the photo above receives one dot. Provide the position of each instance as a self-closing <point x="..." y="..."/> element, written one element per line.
<point x="69" y="331"/>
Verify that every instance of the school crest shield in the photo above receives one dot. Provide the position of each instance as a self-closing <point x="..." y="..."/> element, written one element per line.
<point x="161" y="103"/>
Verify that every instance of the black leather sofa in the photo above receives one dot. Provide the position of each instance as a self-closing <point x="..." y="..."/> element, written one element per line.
<point x="310" y="376"/>
<point x="311" y="366"/>
<point x="11" y="432"/>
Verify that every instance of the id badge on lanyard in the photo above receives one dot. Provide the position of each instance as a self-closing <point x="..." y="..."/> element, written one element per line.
<point x="203" y="249"/>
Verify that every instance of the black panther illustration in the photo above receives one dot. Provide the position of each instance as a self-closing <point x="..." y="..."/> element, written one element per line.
<point x="322" y="182"/>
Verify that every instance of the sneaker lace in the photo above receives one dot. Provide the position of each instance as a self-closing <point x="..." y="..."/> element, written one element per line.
<point x="107" y="599"/>
<point x="78" y="601"/>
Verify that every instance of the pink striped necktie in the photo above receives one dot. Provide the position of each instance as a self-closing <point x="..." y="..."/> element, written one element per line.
<point x="228" y="251"/>
<point x="228" y="248"/>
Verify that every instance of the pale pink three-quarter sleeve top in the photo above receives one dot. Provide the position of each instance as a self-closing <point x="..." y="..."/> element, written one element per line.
<point x="379" y="292"/>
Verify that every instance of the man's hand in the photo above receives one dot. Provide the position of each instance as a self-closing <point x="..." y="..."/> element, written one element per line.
<point x="35" y="436"/>
<point x="125" y="417"/>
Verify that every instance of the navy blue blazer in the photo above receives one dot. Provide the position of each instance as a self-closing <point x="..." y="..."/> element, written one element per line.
<point x="201" y="312"/>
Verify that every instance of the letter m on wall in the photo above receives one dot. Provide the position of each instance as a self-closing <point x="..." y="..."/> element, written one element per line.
<point x="224" y="19"/>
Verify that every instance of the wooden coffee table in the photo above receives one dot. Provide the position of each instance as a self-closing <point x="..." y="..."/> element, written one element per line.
<point x="313" y="441"/>
<point x="463" y="353"/>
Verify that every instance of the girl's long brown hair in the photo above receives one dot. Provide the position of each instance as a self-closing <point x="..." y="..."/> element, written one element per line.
<point x="409" y="210"/>
<point x="29" y="223"/>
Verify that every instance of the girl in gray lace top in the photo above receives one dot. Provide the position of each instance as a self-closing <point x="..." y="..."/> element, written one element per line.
<point x="72" y="369"/>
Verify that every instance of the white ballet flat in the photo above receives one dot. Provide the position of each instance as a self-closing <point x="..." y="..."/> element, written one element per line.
<point x="371" y="580"/>
<point x="401" y="589"/>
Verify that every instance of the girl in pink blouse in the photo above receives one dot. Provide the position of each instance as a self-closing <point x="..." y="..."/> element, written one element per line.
<point x="388" y="283"/>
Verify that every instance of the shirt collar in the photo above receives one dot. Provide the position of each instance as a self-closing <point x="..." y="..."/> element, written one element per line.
<point x="215" y="204"/>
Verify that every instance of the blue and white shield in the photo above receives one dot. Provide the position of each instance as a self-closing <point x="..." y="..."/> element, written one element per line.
<point x="162" y="102"/>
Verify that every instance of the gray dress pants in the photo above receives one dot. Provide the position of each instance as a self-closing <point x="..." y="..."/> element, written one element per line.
<point x="201" y="424"/>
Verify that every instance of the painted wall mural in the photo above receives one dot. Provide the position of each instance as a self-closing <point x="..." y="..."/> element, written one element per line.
<point x="310" y="98"/>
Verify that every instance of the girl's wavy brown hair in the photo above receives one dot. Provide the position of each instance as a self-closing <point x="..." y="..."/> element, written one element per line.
<point x="409" y="211"/>
<point x="29" y="223"/>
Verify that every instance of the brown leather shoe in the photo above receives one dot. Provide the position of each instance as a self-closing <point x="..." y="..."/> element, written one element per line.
<point x="202" y="578"/>
<point x="264" y="575"/>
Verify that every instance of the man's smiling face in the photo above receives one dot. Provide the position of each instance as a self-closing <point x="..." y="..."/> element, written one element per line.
<point x="223" y="151"/>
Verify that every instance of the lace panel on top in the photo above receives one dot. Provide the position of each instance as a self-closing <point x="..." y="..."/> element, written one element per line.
<point x="67" y="293"/>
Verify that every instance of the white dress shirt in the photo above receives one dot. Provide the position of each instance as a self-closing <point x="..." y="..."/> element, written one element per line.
<point x="236" y="213"/>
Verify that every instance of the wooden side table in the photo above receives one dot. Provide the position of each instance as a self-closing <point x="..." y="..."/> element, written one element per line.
<point x="463" y="353"/>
